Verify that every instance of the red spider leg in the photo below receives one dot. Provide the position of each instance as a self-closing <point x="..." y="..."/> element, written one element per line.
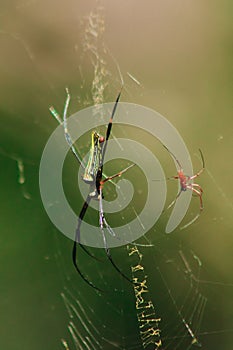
<point x="177" y="196"/>
<point x="174" y="201"/>
<point x="181" y="177"/>
<point x="184" y="182"/>
<point x="198" y="192"/>
<point x="103" y="222"/>
<point x="202" y="169"/>
<point x="173" y="155"/>
<point x="198" y="186"/>
<point x="196" y="175"/>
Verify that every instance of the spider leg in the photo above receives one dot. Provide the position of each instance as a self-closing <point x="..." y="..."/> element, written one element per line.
<point x="81" y="274"/>
<point x="167" y="178"/>
<point x="108" y="132"/>
<point x="109" y="178"/>
<point x="109" y="128"/>
<point x="173" y="156"/>
<point x="199" y="193"/>
<point x="103" y="223"/>
<point x="78" y="232"/>
<point x="55" y="114"/>
<point x="174" y="201"/>
<point x="117" y="175"/>
<point x="173" y="177"/>
<point x="77" y="240"/>
<point x="196" y="175"/>
<point x="63" y="122"/>
<point x="202" y="169"/>
<point x="198" y="186"/>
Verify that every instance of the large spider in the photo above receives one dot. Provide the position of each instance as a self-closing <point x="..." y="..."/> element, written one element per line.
<point x="94" y="176"/>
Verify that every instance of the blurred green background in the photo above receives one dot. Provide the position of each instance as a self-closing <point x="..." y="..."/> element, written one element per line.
<point x="181" y="52"/>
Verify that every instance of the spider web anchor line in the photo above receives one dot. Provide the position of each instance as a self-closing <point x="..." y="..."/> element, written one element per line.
<point x="146" y="313"/>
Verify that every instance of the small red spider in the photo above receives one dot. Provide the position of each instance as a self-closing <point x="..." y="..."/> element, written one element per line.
<point x="187" y="184"/>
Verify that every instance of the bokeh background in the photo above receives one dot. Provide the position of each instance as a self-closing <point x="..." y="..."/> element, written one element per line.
<point x="181" y="53"/>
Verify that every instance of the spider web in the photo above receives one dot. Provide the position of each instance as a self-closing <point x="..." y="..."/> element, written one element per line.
<point x="172" y="316"/>
<point x="174" y="301"/>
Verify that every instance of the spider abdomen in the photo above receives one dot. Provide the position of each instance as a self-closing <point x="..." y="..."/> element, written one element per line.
<point x="183" y="181"/>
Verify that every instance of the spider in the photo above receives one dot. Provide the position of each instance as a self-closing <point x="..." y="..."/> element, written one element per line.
<point x="95" y="178"/>
<point x="186" y="184"/>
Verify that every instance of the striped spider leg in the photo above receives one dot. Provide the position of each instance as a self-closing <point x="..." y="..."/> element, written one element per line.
<point x="94" y="176"/>
<point x="187" y="184"/>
